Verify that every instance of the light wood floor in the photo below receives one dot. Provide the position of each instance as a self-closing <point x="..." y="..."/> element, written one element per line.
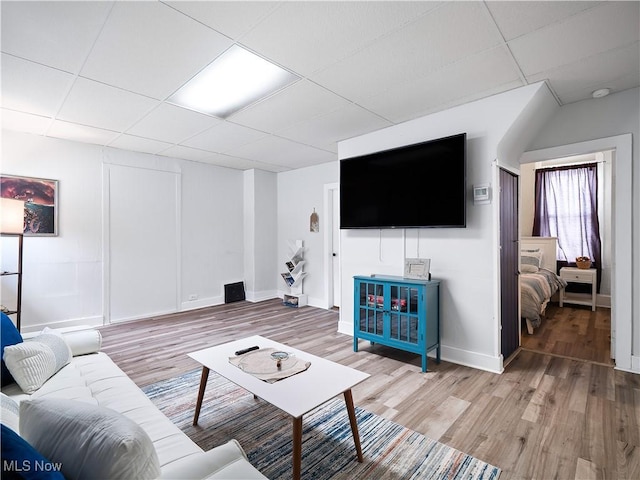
<point x="545" y="417"/>
<point x="575" y="332"/>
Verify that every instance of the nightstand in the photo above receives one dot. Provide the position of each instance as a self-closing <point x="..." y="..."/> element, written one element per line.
<point x="579" y="275"/>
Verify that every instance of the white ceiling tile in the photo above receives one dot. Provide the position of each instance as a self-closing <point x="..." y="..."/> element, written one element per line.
<point x="489" y="72"/>
<point x="31" y="87"/>
<point x="139" y="144"/>
<point x="81" y="133"/>
<point x="283" y="152"/>
<point x="179" y="151"/>
<point x="23" y="122"/>
<point x="95" y="104"/>
<point x="326" y="130"/>
<point x="229" y="18"/>
<point x="151" y="49"/>
<point x="172" y="124"/>
<point x="240" y="163"/>
<point x="58" y="34"/>
<point x="426" y="45"/>
<point x="224" y="137"/>
<point x="617" y="70"/>
<point x="519" y="18"/>
<point x="578" y="37"/>
<point x="294" y="104"/>
<point x="307" y="36"/>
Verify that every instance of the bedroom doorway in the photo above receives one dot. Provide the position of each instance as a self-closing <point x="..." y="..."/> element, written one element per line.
<point x="574" y="331"/>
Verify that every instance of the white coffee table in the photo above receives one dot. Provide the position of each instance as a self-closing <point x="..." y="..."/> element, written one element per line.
<point x="295" y="395"/>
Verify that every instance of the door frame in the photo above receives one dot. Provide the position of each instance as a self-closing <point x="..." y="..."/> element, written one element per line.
<point x="329" y="248"/>
<point x="622" y="318"/>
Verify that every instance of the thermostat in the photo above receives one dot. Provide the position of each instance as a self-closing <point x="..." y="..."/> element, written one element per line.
<point x="482" y="194"/>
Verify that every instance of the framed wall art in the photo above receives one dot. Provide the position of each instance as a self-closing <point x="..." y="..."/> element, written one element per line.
<point x="41" y="202"/>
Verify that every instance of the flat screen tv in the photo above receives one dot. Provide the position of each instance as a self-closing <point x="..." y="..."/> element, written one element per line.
<point x="415" y="186"/>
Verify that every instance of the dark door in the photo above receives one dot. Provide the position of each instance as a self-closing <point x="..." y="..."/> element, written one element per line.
<point x="509" y="283"/>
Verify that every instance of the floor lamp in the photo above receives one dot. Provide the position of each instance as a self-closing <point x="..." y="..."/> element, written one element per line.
<point x="12" y="225"/>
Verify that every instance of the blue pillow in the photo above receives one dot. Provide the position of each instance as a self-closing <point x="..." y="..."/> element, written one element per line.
<point x="9" y="335"/>
<point x="21" y="460"/>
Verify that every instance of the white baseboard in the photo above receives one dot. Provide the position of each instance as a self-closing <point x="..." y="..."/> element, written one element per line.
<point x="261" y="296"/>
<point x="97" y="321"/>
<point x="201" y="303"/>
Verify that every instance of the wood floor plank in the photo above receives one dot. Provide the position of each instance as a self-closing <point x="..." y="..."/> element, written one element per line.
<point x="547" y="416"/>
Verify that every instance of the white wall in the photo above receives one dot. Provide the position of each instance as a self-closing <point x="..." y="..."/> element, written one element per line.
<point x="465" y="260"/>
<point x="299" y="192"/>
<point x="63" y="275"/>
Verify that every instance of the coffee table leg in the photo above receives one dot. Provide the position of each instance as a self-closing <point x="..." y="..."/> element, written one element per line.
<point x="203" y="385"/>
<point x="297" y="447"/>
<point x="348" y="399"/>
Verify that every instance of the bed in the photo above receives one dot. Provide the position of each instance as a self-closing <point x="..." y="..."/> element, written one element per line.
<point x="538" y="279"/>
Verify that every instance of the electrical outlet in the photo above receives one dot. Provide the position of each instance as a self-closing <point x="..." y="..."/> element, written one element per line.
<point x="193" y="296"/>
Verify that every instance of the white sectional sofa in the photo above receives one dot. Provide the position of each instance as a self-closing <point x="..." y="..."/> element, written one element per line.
<point x="93" y="378"/>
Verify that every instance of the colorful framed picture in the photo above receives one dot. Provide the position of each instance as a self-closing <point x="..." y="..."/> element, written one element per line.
<point x="41" y="202"/>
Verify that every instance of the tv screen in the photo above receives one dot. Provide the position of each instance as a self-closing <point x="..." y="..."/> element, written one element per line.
<point x="415" y="186"/>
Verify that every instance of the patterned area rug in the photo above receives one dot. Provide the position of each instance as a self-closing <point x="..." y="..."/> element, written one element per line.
<point x="390" y="451"/>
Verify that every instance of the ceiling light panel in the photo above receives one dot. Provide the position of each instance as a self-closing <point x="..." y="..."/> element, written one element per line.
<point x="237" y="78"/>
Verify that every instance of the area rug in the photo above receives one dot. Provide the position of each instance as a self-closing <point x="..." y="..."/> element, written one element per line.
<point x="390" y="451"/>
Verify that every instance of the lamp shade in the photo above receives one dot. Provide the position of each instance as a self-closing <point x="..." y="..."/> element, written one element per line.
<point x="11" y="215"/>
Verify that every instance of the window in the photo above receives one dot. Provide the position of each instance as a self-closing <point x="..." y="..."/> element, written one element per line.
<point x="566" y="206"/>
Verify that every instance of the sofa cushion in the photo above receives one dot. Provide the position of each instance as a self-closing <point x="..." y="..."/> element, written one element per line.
<point x="21" y="460"/>
<point x="9" y="412"/>
<point x="9" y="335"/>
<point x="88" y="440"/>
<point x="33" y="362"/>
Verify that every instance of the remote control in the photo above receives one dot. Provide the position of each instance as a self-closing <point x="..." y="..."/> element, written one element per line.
<point x="247" y="350"/>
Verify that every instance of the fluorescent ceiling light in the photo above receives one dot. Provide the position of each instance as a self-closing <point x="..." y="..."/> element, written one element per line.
<point x="235" y="79"/>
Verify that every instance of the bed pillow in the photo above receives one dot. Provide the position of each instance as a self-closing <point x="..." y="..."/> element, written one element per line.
<point x="9" y="411"/>
<point x="9" y="335"/>
<point x="89" y="441"/>
<point x="33" y="362"/>
<point x="530" y="261"/>
<point x="27" y="462"/>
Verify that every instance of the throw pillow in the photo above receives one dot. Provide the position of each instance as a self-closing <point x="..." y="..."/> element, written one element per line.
<point x="9" y="412"/>
<point x="88" y="440"/>
<point x="21" y="460"/>
<point x="9" y="335"/>
<point x="530" y="261"/>
<point x="34" y="361"/>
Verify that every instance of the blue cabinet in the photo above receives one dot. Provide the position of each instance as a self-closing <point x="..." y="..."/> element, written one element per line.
<point x="398" y="312"/>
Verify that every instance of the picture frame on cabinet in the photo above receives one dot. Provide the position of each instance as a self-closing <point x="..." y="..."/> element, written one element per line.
<point x="41" y="202"/>
<point x="417" y="268"/>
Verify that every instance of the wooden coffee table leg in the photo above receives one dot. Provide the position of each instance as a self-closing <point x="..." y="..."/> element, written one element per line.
<point x="297" y="447"/>
<point x="203" y="385"/>
<point x="348" y="399"/>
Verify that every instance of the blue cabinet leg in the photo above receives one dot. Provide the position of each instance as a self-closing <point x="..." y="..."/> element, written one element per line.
<point x="424" y="362"/>
<point x="355" y="343"/>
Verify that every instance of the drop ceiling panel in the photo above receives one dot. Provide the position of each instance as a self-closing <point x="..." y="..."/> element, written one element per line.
<point x="31" y="87"/>
<point x="172" y="124"/>
<point x="81" y="133"/>
<point x="58" y="34"/>
<point x="617" y="69"/>
<point x="139" y="144"/>
<point x="426" y="45"/>
<point x="98" y="105"/>
<point x="23" y="122"/>
<point x="151" y="49"/>
<point x="326" y="130"/>
<point x="224" y="138"/>
<point x="307" y="36"/>
<point x="232" y="19"/>
<point x="481" y="75"/>
<point x="578" y="37"/>
<point x="297" y="103"/>
<point x="283" y="152"/>
<point x="519" y="18"/>
<point x="179" y="151"/>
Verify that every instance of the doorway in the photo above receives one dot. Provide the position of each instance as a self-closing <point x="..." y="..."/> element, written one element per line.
<point x="332" y="245"/>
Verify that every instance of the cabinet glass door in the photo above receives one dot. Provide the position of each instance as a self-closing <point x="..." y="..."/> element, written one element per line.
<point x="371" y="308"/>
<point x="404" y="314"/>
